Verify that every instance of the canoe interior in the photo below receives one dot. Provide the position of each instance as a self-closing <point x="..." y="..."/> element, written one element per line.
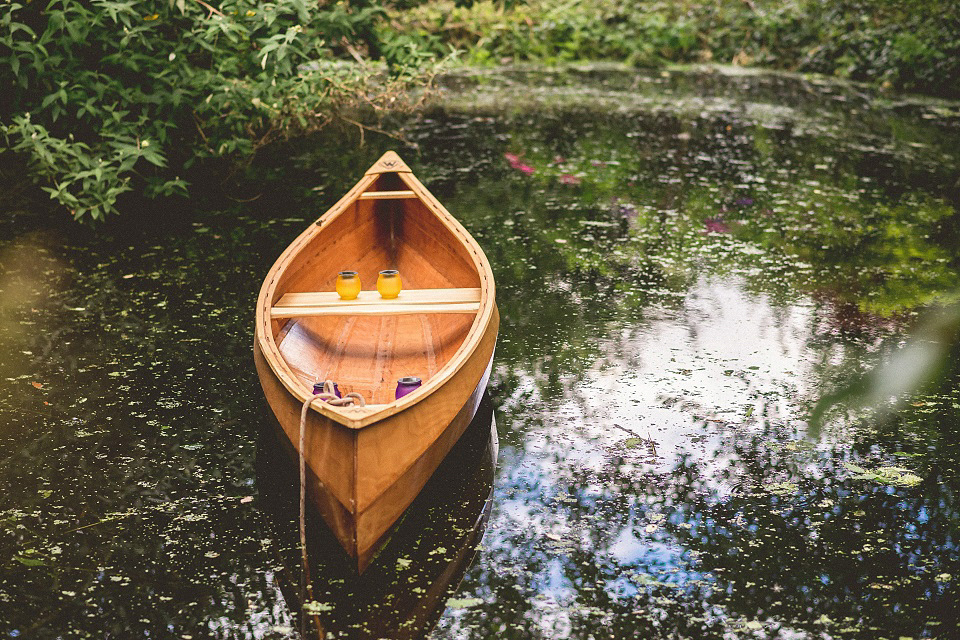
<point x="368" y="354"/>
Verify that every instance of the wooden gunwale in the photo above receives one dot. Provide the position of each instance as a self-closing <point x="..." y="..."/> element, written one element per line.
<point x="358" y="418"/>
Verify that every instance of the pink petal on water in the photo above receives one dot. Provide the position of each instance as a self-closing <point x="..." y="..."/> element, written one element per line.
<point x="716" y="225"/>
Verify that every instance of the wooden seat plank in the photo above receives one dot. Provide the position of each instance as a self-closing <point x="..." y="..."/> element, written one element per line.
<point x="320" y="299"/>
<point x="382" y="308"/>
<point x="387" y="195"/>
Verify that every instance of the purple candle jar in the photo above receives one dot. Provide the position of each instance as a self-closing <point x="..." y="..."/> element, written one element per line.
<point x="406" y="385"/>
<point x="318" y="388"/>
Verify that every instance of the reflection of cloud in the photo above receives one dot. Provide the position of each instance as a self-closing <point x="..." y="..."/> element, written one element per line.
<point x="690" y="378"/>
<point x="580" y="486"/>
<point x="725" y="357"/>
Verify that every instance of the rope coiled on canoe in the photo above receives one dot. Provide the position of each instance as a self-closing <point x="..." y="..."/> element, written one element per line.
<point x="328" y="396"/>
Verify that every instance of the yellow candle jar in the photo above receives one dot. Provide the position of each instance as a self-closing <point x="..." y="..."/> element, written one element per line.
<point x="348" y="285"/>
<point x="389" y="284"/>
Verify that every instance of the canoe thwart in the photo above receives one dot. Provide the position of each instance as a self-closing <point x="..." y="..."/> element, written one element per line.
<point x="387" y="195"/>
<point x="369" y="303"/>
<point x="381" y="308"/>
<point x="407" y="296"/>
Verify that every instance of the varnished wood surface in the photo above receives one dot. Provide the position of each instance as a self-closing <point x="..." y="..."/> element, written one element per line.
<point x="381" y="462"/>
<point x="382" y="510"/>
<point x="386" y="484"/>
<point x="379" y="308"/>
<point x="374" y="460"/>
<point x="407" y="296"/>
<point x="435" y="250"/>
<point x="389" y="162"/>
<point x="328" y="452"/>
<point x="450" y="513"/>
<point x="367" y="355"/>
<point x="388" y="195"/>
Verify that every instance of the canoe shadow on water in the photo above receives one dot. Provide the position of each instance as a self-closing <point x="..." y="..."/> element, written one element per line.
<point x="403" y="592"/>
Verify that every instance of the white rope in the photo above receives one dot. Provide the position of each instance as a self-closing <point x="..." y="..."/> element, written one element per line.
<point x="306" y="588"/>
<point x="328" y="396"/>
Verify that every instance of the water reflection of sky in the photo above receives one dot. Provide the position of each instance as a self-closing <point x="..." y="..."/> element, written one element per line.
<point x="724" y="352"/>
<point x="706" y="380"/>
<point x="686" y="378"/>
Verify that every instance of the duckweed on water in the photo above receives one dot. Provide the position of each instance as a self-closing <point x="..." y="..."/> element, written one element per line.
<point x="896" y="476"/>
<point x="685" y="264"/>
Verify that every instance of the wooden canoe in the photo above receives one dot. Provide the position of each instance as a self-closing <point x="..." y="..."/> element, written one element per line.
<point x="418" y="569"/>
<point x="367" y="464"/>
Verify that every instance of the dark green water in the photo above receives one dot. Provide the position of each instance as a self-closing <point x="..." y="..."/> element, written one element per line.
<point x="686" y="263"/>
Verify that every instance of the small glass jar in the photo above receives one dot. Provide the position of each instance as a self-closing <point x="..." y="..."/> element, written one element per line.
<point x="348" y="285"/>
<point x="318" y="388"/>
<point x="389" y="284"/>
<point x="407" y="385"/>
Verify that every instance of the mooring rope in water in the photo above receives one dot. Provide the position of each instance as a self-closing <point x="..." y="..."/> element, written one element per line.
<point x="328" y="396"/>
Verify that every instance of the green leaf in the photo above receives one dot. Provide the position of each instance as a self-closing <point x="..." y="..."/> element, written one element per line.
<point x="312" y="607"/>
<point x="30" y="561"/>
<point x="463" y="603"/>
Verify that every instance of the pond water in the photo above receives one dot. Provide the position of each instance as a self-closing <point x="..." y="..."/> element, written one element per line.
<point x="687" y="261"/>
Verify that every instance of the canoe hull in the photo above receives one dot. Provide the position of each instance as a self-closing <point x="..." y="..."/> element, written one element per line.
<point x="362" y="480"/>
<point x="450" y="512"/>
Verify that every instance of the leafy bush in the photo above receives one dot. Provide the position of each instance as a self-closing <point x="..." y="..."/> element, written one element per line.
<point x="907" y="44"/>
<point x="106" y="96"/>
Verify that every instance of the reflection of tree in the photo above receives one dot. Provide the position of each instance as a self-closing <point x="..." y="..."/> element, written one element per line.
<point x="833" y="553"/>
<point x="640" y="225"/>
<point x="624" y="206"/>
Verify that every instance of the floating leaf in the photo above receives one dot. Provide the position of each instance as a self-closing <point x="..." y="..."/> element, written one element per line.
<point x="312" y="607"/>
<point x="30" y="561"/>
<point x="896" y="476"/>
<point x="781" y="488"/>
<point x="463" y="603"/>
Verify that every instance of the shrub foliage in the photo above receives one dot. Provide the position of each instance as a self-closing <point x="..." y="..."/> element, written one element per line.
<point x="905" y="44"/>
<point x="109" y="96"/>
